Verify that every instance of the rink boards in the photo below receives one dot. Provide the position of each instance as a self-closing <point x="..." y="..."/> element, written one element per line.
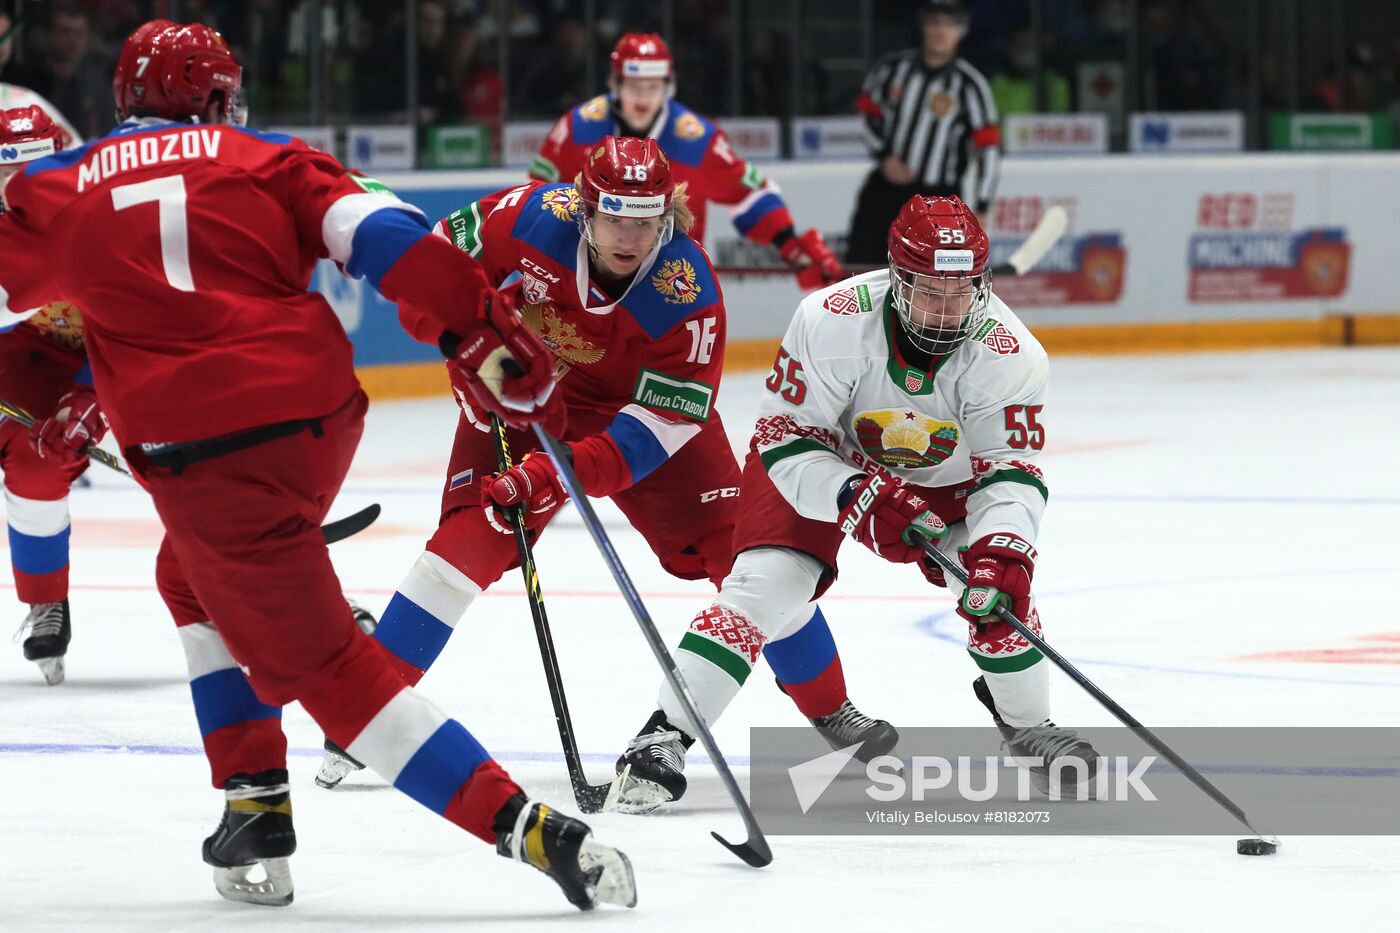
<point x="1162" y="252"/>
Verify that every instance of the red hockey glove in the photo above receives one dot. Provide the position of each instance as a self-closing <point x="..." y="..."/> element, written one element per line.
<point x="999" y="570"/>
<point x="505" y="368"/>
<point x="932" y="572"/>
<point x="477" y="418"/>
<point x="533" y="483"/>
<point x="64" y="437"/>
<point x="885" y="516"/>
<point x="812" y="260"/>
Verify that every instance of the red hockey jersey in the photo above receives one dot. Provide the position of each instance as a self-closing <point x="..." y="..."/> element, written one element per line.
<point x="700" y="156"/>
<point x="641" y="371"/>
<point x="189" y="249"/>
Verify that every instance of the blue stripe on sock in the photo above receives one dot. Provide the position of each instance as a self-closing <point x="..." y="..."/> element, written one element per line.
<point x="441" y="766"/>
<point x="411" y="632"/>
<point x="797" y="658"/>
<point x="36" y="555"/>
<point x="224" y="698"/>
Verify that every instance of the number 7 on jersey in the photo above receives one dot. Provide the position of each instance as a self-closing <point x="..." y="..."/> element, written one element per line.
<point x="169" y="193"/>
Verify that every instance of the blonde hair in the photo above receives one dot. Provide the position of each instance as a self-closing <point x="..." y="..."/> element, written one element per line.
<point x="681" y="213"/>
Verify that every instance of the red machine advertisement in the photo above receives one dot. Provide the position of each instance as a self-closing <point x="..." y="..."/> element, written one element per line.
<point x="1081" y="269"/>
<point x="1246" y="248"/>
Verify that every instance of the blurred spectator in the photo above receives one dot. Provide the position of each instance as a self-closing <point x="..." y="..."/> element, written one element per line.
<point x="479" y="85"/>
<point x="555" y="81"/>
<point x="439" y="99"/>
<point x="7" y="45"/>
<point x="1014" y="88"/>
<point x="66" y="73"/>
<point x="766" y="72"/>
<point x="1178" y="74"/>
<point x="1355" y="90"/>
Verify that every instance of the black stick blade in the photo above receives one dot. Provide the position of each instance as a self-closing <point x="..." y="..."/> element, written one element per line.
<point x="755" y="852"/>
<point x="351" y="524"/>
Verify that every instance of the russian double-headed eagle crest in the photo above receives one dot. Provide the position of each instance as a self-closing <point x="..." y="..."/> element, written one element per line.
<point x="676" y="281"/>
<point x="60" y="322"/>
<point x="560" y="336"/>
<point x="562" y="201"/>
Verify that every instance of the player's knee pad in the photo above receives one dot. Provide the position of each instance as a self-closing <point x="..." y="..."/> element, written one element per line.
<point x="771" y="587"/>
<point x="175" y="589"/>
<point x="711" y="557"/>
<point x="468" y="545"/>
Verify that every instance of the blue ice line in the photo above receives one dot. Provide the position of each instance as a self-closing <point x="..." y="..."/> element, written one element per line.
<point x="436" y="488"/>
<point x="58" y="748"/>
<point x="929" y="626"/>
<point x="81" y="748"/>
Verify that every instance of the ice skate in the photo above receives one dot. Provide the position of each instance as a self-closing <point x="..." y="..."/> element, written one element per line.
<point x="50" y="629"/>
<point x="562" y="847"/>
<point x="336" y="763"/>
<point x="256" y="832"/>
<point x="363" y="617"/>
<point x="1072" y="780"/>
<point x="650" y="772"/>
<point x="849" y="726"/>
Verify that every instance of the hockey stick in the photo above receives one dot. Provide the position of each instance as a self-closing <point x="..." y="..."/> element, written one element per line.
<point x="755" y="850"/>
<point x="1045" y="235"/>
<point x="15" y="413"/>
<point x="342" y="528"/>
<point x="334" y="531"/>
<point x="589" y="797"/>
<point x="953" y="569"/>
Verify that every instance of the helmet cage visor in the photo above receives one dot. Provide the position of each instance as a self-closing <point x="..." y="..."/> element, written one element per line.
<point x="663" y="235"/>
<point x="939" y="311"/>
<point x="236" y="106"/>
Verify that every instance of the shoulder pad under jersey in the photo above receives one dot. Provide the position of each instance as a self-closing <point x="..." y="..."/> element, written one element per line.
<point x="591" y="121"/>
<point x="686" y="136"/>
<point x="547" y="221"/>
<point x="679" y="283"/>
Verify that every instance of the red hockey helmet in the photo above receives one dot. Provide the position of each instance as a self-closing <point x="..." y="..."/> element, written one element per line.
<point x="642" y="55"/>
<point x="939" y="278"/>
<point x="173" y="70"/>
<point x="26" y="134"/>
<point x="627" y="176"/>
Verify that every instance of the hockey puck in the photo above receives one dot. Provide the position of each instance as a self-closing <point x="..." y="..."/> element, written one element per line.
<point x="1255" y="847"/>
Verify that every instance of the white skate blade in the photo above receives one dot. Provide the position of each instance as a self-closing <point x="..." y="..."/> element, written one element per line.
<point x="333" y="770"/>
<point x="52" y="669"/>
<point x="616" y="885"/>
<point x="1048" y="784"/>
<point x="634" y="795"/>
<point x="275" y="890"/>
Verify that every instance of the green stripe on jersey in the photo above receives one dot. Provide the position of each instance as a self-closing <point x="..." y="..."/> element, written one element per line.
<point x="465" y="225"/>
<point x="801" y="445"/>
<point x="721" y="657"/>
<point x="1017" y="662"/>
<point x="1014" y="475"/>
<point x="544" y="169"/>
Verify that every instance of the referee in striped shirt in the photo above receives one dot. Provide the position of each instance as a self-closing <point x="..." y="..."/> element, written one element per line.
<point x="929" y="118"/>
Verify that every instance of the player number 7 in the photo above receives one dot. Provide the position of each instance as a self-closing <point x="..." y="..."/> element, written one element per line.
<point x="169" y="193"/>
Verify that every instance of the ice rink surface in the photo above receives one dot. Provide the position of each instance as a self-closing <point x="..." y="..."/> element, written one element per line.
<point x="1220" y="549"/>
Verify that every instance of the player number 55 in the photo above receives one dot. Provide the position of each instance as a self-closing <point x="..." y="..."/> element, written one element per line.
<point x="1025" y="430"/>
<point x="787" y="379"/>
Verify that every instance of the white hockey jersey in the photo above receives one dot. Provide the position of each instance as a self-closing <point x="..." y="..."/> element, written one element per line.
<point x="841" y="399"/>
